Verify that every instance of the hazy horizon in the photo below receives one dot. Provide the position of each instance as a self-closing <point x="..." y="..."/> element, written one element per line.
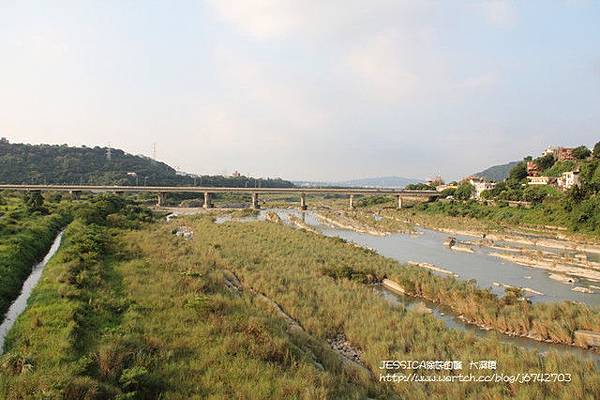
<point x="322" y="91"/>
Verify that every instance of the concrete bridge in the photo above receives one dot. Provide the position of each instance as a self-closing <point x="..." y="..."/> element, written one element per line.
<point x="162" y="191"/>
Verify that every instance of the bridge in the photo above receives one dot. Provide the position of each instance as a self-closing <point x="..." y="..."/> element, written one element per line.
<point x="162" y="191"/>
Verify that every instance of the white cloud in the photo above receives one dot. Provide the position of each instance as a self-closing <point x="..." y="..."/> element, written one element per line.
<point x="278" y="19"/>
<point x="500" y="13"/>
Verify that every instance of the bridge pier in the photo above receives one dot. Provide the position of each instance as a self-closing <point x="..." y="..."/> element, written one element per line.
<point x="75" y="194"/>
<point x="208" y="200"/>
<point x="303" y="201"/>
<point x="351" y="202"/>
<point x="399" y="202"/>
<point x="161" y="199"/>
<point x="255" y="205"/>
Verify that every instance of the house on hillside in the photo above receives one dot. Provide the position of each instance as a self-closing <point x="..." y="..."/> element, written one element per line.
<point x="540" y="180"/>
<point x="533" y="169"/>
<point x="435" y="182"/>
<point x="560" y="153"/>
<point x="480" y="185"/>
<point x="568" y="179"/>
<point x="564" y="154"/>
<point x="549" y="150"/>
<point x="4" y="140"/>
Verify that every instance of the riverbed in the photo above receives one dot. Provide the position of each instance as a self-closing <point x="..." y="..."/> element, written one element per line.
<point x="427" y="246"/>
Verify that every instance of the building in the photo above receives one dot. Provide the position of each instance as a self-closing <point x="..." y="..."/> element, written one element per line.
<point x="568" y="179"/>
<point x="4" y="140"/>
<point x="441" y="188"/>
<point x="539" y="180"/>
<point x="437" y="181"/>
<point x="532" y="168"/>
<point x="550" y="150"/>
<point x="480" y="185"/>
<point x="236" y="174"/>
<point x="564" y="154"/>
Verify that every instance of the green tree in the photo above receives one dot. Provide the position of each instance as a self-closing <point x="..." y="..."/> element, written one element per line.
<point x="581" y="152"/>
<point x="464" y="191"/>
<point x="518" y="172"/>
<point x="419" y="186"/>
<point x="596" y="152"/>
<point x="545" y="162"/>
<point x="448" y="192"/>
<point x="535" y="194"/>
<point x="34" y="201"/>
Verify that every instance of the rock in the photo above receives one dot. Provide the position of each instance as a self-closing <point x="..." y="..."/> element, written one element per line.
<point x="184" y="231"/>
<point x="451" y="241"/>
<point x="340" y="344"/>
<point x="463" y="248"/>
<point x="562" y="278"/>
<point x="582" y="289"/>
<point x="587" y="338"/>
<point x="421" y="308"/>
<point x="272" y="217"/>
<point x="393" y="286"/>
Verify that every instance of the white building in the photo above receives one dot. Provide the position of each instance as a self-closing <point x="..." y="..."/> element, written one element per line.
<point x="480" y="186"/>
<point x="549" y="150"/>
<point x="568" y="180"/>
<point x="538" y="180"/>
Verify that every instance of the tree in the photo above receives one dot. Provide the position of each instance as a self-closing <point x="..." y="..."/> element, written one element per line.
<point x="581" y="152"/>
<point x="545" y="162"/>
<point x="596" y="152"/>
<point x="535" y="194"/>
<point x="448" y="192"/>
<point x="419" y="186"/>
<point x="464" y="191"/>
<point x="518" y="172"/>
<point x="34" y="201"/>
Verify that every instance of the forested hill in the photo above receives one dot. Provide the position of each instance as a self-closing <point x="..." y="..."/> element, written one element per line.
<point x="497" y="172"/>
<point x="62" y="164"/>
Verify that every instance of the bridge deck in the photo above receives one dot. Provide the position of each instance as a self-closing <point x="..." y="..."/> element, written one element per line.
<point x="213" y="189"/>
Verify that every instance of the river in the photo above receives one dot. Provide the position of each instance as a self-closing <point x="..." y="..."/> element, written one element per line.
<point x="427" y="246"/>
<point x="20" y="303"/>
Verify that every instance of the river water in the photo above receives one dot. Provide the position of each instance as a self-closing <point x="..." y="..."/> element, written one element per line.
<point x="427" y="246"/>
<point x="489" y="271"/>
<point x="18" y="306"/>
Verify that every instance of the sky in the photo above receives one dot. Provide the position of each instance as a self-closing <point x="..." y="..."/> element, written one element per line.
<point x="304" y="89"/>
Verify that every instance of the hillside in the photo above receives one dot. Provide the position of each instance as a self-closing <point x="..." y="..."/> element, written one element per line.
<point x="62" y="164"/>
<point x="497" y="172"/>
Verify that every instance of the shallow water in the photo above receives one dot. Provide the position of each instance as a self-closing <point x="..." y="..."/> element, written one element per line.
<point x="427" y="246"/>
<point x="20" y="303"/>
<point x="454" y="322"/>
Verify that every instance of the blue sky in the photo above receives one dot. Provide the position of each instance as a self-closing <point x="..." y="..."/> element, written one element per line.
<point x="310" y="89"/>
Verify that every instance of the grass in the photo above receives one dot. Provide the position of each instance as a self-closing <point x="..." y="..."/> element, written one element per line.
<point x="25" y="238"/>
<point x="293" y="268"/>
<point x="128" y="310"/>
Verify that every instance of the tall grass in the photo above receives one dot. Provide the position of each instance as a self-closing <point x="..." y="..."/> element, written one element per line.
<point x="25" y="238"/>
<point x="298" y="270"/>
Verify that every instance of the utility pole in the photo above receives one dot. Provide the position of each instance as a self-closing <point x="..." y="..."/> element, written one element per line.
<point x="154" y="151"/>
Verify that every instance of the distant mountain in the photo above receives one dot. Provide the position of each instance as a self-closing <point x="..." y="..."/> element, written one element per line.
<point x="497" y="172"/>
<point x="378" y="182"/>
<point x="62" y="164"/>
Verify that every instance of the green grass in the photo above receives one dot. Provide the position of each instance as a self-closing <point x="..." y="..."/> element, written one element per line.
<point x="25" y="238"/>
<point x="143" y="314"/>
